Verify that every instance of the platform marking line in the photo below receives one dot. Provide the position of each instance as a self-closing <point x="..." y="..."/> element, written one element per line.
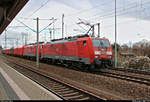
<point x="14" y="86"/>
<point x="45" y="90"/>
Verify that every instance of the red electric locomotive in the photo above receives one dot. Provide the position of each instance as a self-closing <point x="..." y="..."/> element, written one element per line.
<point x="18" y="51"/>
<point x="15" y="51"/>
<point x="79" y="51"/>
<point x="4" y="51"/>
<point x="30" y="50"/>
<point x="75" y="51"/>
<point x="8" y="51"/>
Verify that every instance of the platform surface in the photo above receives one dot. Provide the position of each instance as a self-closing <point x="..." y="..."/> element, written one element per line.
<point x="15" y="86"/>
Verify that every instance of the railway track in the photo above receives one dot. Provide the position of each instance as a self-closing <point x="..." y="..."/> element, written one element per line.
<point x="132" y="70"/>
<point x="61" y="89"/>
<point x="125" y="77"/>
<point x="139" y="80"/>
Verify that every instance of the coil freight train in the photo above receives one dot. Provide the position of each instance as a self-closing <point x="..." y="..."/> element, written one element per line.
<point x="77" y="51"/>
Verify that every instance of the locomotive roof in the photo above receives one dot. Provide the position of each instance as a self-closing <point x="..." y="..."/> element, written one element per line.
<point x="74" y="39"/>
<point x="33" y="44"/>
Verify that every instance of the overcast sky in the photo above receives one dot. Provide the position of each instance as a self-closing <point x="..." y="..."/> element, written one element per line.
<point x="133" y="19"/>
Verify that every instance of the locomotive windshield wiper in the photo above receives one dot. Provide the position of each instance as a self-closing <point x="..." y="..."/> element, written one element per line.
<point x="99" y="44"/>
<point x="102" y="44"/>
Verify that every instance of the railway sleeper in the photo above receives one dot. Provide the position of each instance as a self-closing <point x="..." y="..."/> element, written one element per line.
<point x="61" y="90"/>
<point x="74" y="97"/>
<point x="70" y="94"/>
<point x="84" y="98"/>
<point x="58" y="88"/>
<point x="55" y="84"/>
<point x="66" y="92"/>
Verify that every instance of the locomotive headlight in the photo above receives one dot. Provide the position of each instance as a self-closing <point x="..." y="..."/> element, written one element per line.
<point x="109" y="53"/>
<point x="97" y="52"/>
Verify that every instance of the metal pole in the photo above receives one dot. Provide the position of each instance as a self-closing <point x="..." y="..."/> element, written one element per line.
<point x="98" y="29"/>
<point x="5" y="39"/>
<point x="22" y="38"/>
<point x="66" y="29"/>
<point x="53" y="31"/>
<point x="50" y="32"/>
<point x="45" y="37"/>
<point x="13" y="43"/>
<point x="93" y="31"/>
<point x="115" y="36"/>
<point x="17" y="42"/>
<point x="63" y="26"/>
<point x="25" y="39"/>
<point x="37" y="50"/>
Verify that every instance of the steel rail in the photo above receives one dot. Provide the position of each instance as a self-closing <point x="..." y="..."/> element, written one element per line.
<point x="132" y="70"/>
<point x="126" y="77"/>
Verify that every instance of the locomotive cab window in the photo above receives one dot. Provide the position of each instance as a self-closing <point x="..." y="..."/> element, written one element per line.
<point x="100" y="43"/>
<point x="84" y="43"/>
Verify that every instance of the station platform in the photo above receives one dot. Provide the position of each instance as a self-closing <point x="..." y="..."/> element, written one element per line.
<point x="15" y="86"/>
